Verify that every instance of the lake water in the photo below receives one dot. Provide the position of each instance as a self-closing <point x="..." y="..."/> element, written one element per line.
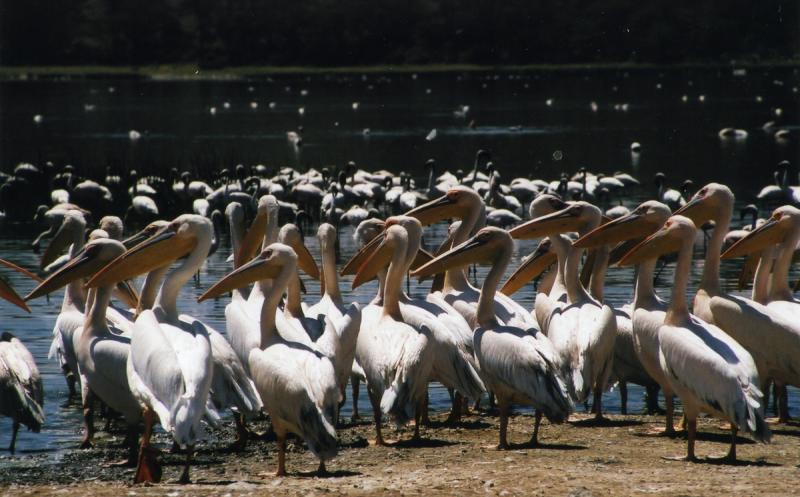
<point x="536" y="124"/>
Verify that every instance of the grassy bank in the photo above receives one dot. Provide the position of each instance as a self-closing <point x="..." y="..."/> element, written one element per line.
<point x="191" y="71"/>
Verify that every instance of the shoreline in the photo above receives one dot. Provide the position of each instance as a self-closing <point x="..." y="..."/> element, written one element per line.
<point x="194" y="72"/>
<point x="620" y="456"/>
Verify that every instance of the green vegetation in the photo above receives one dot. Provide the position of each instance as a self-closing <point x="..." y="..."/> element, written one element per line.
<point x="269" y="36"/>
<point x="193" y="72"/>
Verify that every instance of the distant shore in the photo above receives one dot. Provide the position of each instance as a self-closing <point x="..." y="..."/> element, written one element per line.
<point x="192" y="71"/>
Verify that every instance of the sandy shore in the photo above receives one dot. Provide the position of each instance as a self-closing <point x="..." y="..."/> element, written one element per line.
<point x="573" y="459"/>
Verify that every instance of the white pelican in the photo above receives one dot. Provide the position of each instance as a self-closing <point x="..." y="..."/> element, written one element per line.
<point x="396" y="356"/>
<point x="737" y="315"/>
<point x="70" y="234"/>
<point x="297" y="383"/>
<point x="519" y="365"/>
<point x="333" y="334"/>
<point x="293" y="310"/>
<point x="706" y="368"/>
<point x="451" y="336"/>
<point x="171" y="366"/>
<point x="101" y="350"/>
<point x="465" y="204"/>
<point x="21" y="394"/>
<point x="332" y="306"/>
<point x="582" y="330"/>
<point x="537" y="262"/>
<point x="648" y="310"/>
<point x="769" y="330"/>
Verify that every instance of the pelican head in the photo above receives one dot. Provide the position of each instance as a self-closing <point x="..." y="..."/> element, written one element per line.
<point x="454" y="203"/>
<point x="265" y="213"/>
<point x="487" y="245"/>
<point x="267" y="265"/>
<point x="290" y="235"/>
<point x="72" y="226"/>
<point x="368" y="234"/>
<point x="380" y="254"/>
<point x="669" y="238"/>
<point x="533" y="265"/>
<point x="148" y="231"/>
<point x="573" y="217"/>
<point x="776" y="229"/>
<point x="641" y="222"/>
<point x="168" y="244"/>
<point x="707" y="203"/>
<point x="112" y="225"/>
<point x="546" y="204"/>
<point x="413" y="229"/>
<point x="94" y="257"/>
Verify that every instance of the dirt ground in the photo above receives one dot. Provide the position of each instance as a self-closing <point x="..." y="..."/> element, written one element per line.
<point x="575" y="459"/>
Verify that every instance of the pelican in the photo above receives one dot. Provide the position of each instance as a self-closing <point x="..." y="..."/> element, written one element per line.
<point x="713" y="202"/>
<point x="397" y="357"/>
<point x="297" y="383"/>
<point x="648" y="310"/>
<point x="333" y="334"/>
<point x="519" y="365"/>
<point x="331" y="305"/>
<point x="582" y="330"/>
<point x="170" y="368"/>
<point x="737" y="315"/>
<point x="290" y="235"/>
<point x="100" y="348"/>
<point x="71" y="317"/>
<point x="467" y="205"/>
<point x="706" y="368"/>
<point x="769" y="329"/>
<point x="21" y="393"/>
<point x="451" y="336"/>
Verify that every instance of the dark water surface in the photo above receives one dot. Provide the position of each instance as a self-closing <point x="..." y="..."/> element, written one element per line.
<point x="677" y="137"/>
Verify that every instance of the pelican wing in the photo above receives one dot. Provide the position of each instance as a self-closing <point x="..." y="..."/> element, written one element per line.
<point x="524" y="362"/>
<point x="702" y="361"/>
<point x="299" y="390"/>
<point x="409" y="362"/>
<point x="772" y="338"/>
<point x="453" y="366"/>
<point x="29" y="375"/>
<point x="108" y="378"/>
<point x="338" y="342"/>
<point x="19" y="388"/>
<point x="231" y="386"/>
<point x="243" y="330"/>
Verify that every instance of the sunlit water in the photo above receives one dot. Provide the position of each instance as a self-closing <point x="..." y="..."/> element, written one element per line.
<point x="678" y="137"/>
